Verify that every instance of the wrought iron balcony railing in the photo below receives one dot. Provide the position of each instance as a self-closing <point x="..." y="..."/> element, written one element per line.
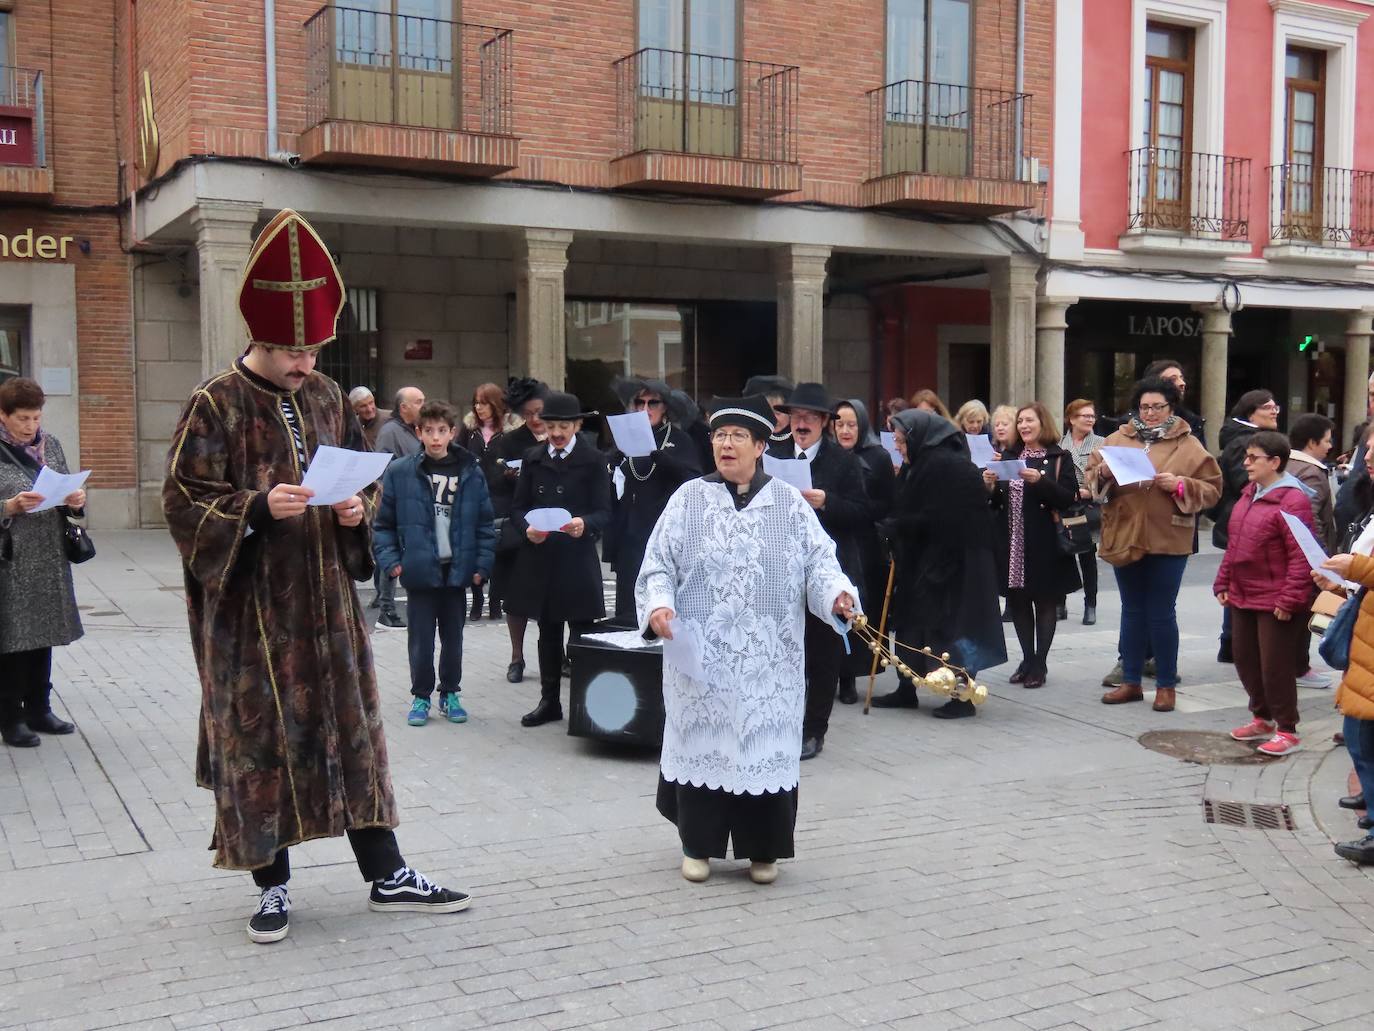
<point x="1319" y="205"/>
<point x="1203" y="195"/>
<point x="396" y="69"/>
<point x="698" y="104"/>
<point x="934" y="128"/>
<point x="23" y="140"/>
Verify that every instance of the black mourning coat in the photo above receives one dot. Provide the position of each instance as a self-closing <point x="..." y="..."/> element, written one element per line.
<point x="674" y="463"/>
<point x="846" y="515"/>
<point x="561" y="578"/>
<point x="1048" y="572"/>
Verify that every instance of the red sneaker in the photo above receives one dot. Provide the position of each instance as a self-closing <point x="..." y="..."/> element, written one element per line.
<point x="1255" y="730"/>
<point x="1282" y="743"/>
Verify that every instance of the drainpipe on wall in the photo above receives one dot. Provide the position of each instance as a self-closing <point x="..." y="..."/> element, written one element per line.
<point x="1020" y="87"/>
<point x="269" y="19"/>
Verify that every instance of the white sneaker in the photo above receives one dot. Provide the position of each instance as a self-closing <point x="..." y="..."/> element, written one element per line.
<point x="1314" y="679"/>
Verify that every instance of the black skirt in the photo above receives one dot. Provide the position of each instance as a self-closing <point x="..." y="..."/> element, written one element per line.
<point x="761" y="826"/>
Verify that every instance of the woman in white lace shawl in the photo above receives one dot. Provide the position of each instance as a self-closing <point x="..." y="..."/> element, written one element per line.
<point x="733" y="564"/>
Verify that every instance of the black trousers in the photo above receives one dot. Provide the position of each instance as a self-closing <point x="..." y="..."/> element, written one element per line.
<point x="25" y="684"/>
<point x="1087" y="569"/>
<point x="824" y="664"/>
<point x="551" y="655"/>
<point x="759" y="826"/>
<point x="375" y="849"/>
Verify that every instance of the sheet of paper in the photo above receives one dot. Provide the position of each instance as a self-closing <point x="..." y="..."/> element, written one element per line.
<point x="631" y="640"/>
<point x="515" y="464"/>
<point x="1128" y="465"/>
<point x="633" y="434"/>
<point x="336" y="473"/>
<point x="684" y="650"/>
<point x="55" y="487"/>
<point x="890" y="443"/>
<point x="1007" y="470"/>
<point x="618" y="481"/>
<point x="789" y="470"/>
<point x="1312" y="551"/>
<point x="550" y="520"/>
<point x="980" y="449"/>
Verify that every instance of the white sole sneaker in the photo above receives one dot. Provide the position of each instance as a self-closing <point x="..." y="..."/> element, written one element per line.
<point x="268" y="937"/>
<point x="456" y="906"/>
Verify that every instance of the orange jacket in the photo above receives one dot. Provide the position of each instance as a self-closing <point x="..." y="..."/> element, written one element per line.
<point x="1355" y="697"/>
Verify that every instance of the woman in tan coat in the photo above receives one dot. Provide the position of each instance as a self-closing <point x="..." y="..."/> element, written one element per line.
<point x="1147" y="532"/>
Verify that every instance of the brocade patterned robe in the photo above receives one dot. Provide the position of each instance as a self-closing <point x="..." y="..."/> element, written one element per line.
<point x="291" y="737"/>
<point x="744" y="580"/>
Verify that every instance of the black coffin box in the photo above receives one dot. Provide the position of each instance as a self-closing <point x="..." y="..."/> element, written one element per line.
<point x="616" y="694"/>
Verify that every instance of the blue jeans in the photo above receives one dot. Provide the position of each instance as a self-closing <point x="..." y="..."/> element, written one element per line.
<point x="1149" y="618"/>
<point x="1359" y="742"/>
<point x="444" y="609"/>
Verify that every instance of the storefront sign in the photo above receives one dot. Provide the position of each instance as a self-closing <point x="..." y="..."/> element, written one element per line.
<point x="16" y="136"/>
<point x="1165" y="326"/>
<point x="27" y="245"/>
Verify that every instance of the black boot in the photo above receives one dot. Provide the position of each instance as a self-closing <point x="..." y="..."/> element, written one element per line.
<point x="38" y="714"/>
<point x="1090" y="613"/>
<point x="954" y="709"/>
<point x="549" y="710"/>
<point x="494" y="607"/>
<point x="1352" y="801"/>
<point x="476" y="612"/>
<point x="1062" y="612"/>
<point x="18" y="735"/>
<point x="902" y="698"/>
<point x="1361" y="851"/>
<point x="848" y="694"/>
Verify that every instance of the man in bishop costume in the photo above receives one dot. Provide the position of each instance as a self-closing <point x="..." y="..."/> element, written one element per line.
<point x="735" y="562"/>
<point x="291" y="737"/>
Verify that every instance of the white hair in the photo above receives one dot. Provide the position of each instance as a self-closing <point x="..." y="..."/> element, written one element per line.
<point x="358" y="394"/>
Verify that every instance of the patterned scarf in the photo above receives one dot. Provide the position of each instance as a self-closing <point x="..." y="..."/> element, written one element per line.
<point x="34" y="449"/>
<point x="1152" y="434"/>
<point x="1016" y="491"/>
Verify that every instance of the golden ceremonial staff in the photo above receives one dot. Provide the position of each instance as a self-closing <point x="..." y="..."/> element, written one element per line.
<point x="882" y="633"/>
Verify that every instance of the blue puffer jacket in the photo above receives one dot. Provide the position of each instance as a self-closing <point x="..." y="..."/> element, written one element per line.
<point x="403" y="532"/>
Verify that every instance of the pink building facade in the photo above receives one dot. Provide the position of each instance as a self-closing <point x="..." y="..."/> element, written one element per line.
<point x="1212" y="201"/>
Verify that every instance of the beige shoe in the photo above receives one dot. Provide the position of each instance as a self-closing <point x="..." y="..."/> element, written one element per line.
<point x="695" y="870"/>
<point x="763" y="873"/>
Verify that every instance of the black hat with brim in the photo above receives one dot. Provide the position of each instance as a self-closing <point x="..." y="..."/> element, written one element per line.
<point x="809" y="397"/>
<point x="562" y="407"/>
<point x="768" y="386"/>
<point x="755" y="414"/>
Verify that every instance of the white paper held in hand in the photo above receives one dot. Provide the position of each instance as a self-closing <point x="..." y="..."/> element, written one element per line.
<point x="337" y="473"/>
<point x="684" y="650"/>
<point x="789" y="470"/>
<point x="548" y="520"/>
<point x="1008" y="470"/>
<point x="1312" y="551"/>
<point x="56" y="487"/>
<point x="890" y="443"/>
<point x="980" y="449"/>
<point x="633" y="434"/>
<point x="1128" y="465"/>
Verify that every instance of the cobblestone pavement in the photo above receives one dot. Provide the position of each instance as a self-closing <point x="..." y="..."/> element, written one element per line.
<point x="1032" y="868"/>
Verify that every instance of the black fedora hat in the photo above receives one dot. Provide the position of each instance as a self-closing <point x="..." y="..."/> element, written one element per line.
<point x="563" y="407"/>
<point x="769" y="386"/>
<point x="809" y="397"/>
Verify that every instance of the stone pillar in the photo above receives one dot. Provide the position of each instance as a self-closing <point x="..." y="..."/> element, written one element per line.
<point x="224" y="236"/>
<point x="1216" y="342"/>
<point x="801" y="311"/>
<point x="1358" y="329"/>
<point x="1012" y="283"/>
<point x="541" y="346"/>
<point x="1050" y="323"/>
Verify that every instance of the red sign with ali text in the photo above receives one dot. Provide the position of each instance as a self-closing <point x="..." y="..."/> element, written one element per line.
<point x="16" y="136"/>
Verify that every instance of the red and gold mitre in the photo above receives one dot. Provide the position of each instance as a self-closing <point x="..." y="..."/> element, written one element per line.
<point x="291" y="294"/>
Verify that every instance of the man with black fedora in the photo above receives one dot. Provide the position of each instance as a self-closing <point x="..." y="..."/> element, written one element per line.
<point x="557" y="580"/>
<point x="840" y="501"/>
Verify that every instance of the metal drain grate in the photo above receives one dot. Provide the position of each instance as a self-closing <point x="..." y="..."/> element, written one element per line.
<point x="1259" y="815"/>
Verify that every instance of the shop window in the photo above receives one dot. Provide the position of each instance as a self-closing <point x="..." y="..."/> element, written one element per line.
<point x="927" y="99"/>
<point x="14" y="327"/>
<point x="1304" y="140"/>
<point x="1167" y="127"/>
<point x="354" y="358"/>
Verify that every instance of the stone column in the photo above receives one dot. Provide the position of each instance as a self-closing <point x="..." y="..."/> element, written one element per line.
<point x="1358" y="329"/>
<point x="1050" y="323"/>
<point x="224" y="236"/>
<point x="1216" y="342"/>
<point x="1012" y="283"/>
<point x="801" y="311"/>
<point x="541" y="347"/>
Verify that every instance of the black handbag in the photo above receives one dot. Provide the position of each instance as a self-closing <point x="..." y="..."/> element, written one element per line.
<point x="1073" y="532"/>
<point x="77" y="543"/>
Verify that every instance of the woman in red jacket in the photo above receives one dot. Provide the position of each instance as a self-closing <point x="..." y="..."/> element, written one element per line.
<point x="1265" y="581"/>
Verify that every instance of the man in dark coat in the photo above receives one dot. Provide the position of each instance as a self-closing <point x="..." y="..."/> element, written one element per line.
<point x="841" y="505"/>
<point x="557" y="579"/>
<point x="648" y="483"/>
<point x="291" y="736"/>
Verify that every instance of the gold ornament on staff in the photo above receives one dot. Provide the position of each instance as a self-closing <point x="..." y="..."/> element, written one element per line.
<point x="948" y="680"/>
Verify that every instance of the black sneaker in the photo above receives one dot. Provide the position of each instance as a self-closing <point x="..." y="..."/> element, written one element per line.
<point x="390" y="620"/>
<point x="272" y="920"/>
<point x="413" y="893"/>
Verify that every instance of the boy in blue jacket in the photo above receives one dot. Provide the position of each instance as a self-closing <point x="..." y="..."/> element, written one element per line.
<point x="435" y="530"/>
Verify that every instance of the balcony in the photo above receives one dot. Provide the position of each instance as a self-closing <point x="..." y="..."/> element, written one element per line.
<point x="956" y="149"/>
<point x="693" y="123"/>
<point x="1187" y="203"/>
<point x="399" y="91"/>
<point x="1321" y="215"/>
<point x="24" y="171"/>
